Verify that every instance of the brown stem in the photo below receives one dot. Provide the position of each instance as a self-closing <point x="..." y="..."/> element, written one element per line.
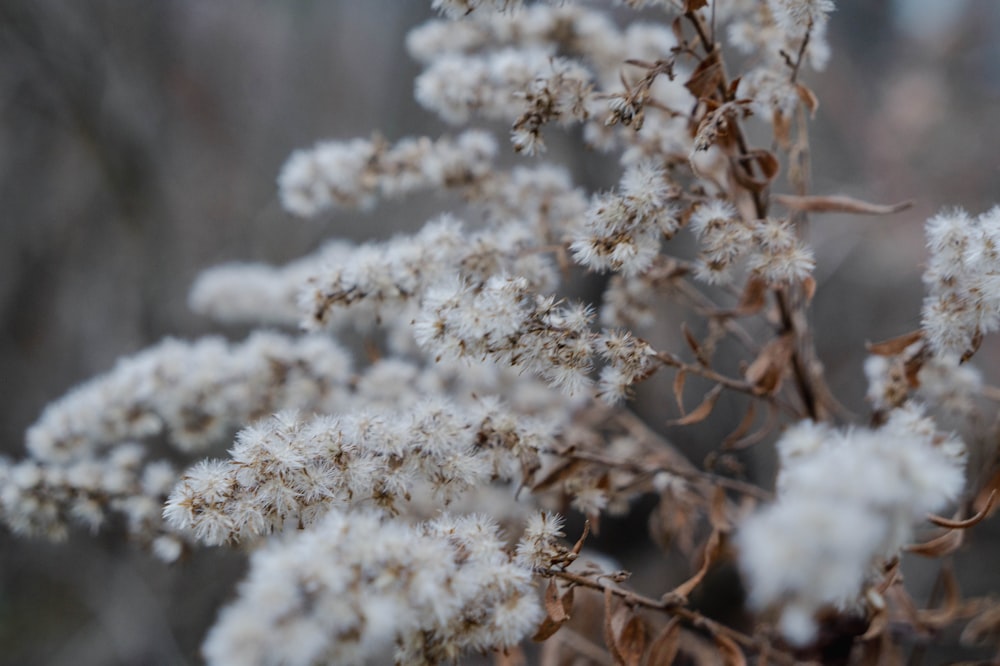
<point x="674" y="607"/>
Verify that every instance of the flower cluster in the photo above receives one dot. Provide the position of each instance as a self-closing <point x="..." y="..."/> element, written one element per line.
<point x="287" y="471"/>
<point x="87" y="456"/>
<point x="505" y="322"/>
<point x="351" y="174"/>
<point x="845" y="500"/>
<point x="357" y="588"/>
<point x="622" y="230"/>
<point x="962" y="279"/>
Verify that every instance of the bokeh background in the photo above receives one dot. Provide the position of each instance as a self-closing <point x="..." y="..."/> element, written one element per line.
<point x="139" y="143"/>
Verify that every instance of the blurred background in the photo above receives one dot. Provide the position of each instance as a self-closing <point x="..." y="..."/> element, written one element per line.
<point x="139" y="144"/>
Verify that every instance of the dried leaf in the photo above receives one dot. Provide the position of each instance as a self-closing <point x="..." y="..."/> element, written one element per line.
<point x="984" y="497"/>
<point x="754" y="296"/>
<point x="578" y="546"/>
<point x="692" y="342"/>
<point x="768" y="370"/>
<point x="630" y="636"/>
<point x="944" y="544"/>
<point x="712" y="548"/>
<point x="694" y="5"/>
<point x="702" y="411"/>
<point x="984" y="627"/>
<point x="809" y="287"/>
<point x="968" y="522"/>
<point x="743" y="169"/>
<point x="546" y="629"/>
<point x="665" y="646"/>
<point x="562" y="471"/>
<point x="838" y="203"/>
<point x="609" y="630"/>
<point x="782" y="130"/>
<point x="731" y="653"/>
<point x="895" y="345"/>
<point x="808" y="98"/>
<point x="553" y="602"/>
<point x="743" y="428"/>
<point x="707" y="76"/>
<point x="938" y="618"/>
<point x="760" y="435"/>
<point x="679" y="390"/>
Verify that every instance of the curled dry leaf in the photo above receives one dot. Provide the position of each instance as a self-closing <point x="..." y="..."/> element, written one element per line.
<point x="895" y="345"/>
<point x="968" y="522"/>
<point x="679" y="379"/>
<point x="983" y="627"/>
<point x="557" y="611"/>
<point x="730" y="652"/>
<point x="938" y="618"/>
<point x="945" y="544"/>
<point x="663" y="650"/>
<point x="837" y="203"/>
<point x="629" y="636"/>
<point x="707" y="76"/>
<point x="768" y="370"/>
<point x="699" y="352"/>
<point x="702" y="411"/>
<point x="712" y="549"/>
<point x="754" y="296"/>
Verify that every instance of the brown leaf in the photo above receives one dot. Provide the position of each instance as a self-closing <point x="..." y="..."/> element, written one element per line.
<point x="837" y="203"/>
<point x="743" y="169"/>
<point x="707" y="76"/>
<point x="985" y="494"/>
<point x="743" y="428"/>
<point x="983" y="627"/>
<point x="692" y="342"/>
<point x="694" y="5"/>
<point x="895" y="345"/>
<point x="546" y="629"/>
<point x="553" y="602"/>
<point x="630" y="637"/>
<point x="562" y="471"/>
<point x="701" y="412"/>
<point x="609" y="629"/>
<point x="679" y="390"/>
<point x="754" y="296"/>
<point x="939" y="618"/>
<point x="712" y="549"/>
<point x="944" y="544"/>
<point x="768" y="370"/>
<point x="665" y="646"/>
<point x="968" y="522"/>
<point x="731" y="653"/>
<point x="578" y="546"/>
<point x="782" y="130"/>
<point x="808" y="98"/>
<point x="809" y="287"/>
<point x="760" y="435"/>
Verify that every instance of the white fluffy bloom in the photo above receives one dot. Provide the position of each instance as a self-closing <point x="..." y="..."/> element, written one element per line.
<point x="622" y="231"/>
<point x="845" y="499"/>
<point x="355" y="587"/>
<point x="352" y="174"/>
<point x="963" y="280"/>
